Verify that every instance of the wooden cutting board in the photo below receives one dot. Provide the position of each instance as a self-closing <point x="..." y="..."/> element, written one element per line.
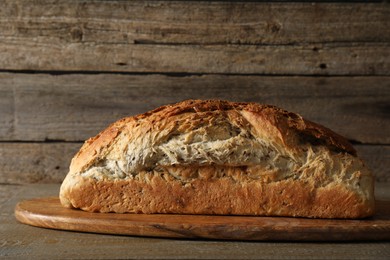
<point x="48" y="213"/>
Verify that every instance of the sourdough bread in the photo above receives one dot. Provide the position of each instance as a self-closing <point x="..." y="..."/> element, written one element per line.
<point x="219" y="157"/>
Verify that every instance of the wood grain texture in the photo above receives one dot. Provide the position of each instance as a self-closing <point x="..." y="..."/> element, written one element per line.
<point x="195" y="37"/>
<point x="328" y="59"/>
<point x="377" y="158"/>
<point x="49" y="213"/>
<point x="38" y="107"/>
<point x="35" y="162"/>
<point x="23" y="163"/>
<point x="23" y="241"/>
<point x="192" y="22"/>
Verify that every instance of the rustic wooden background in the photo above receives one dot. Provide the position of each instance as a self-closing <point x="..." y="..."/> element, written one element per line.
<point x="69" y="68"/>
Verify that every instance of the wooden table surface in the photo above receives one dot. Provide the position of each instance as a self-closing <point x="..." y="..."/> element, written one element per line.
<point x="21" y="241"/>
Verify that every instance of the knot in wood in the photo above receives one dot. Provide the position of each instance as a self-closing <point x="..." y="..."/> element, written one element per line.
<point x="76" y="34"/>
<point x="274" y="27"/>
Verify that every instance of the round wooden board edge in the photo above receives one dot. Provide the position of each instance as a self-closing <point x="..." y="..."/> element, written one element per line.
<point x="214" y="231"/>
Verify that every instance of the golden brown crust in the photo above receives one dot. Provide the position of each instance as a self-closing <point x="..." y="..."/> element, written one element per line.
<point x="314" y="173"/>
<point x="221" y="195"/>
<point x="292" y="128"/>
<point x="96" y="147"/>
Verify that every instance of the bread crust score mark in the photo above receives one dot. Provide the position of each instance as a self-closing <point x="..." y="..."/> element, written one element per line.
<point x="219" y="157"/>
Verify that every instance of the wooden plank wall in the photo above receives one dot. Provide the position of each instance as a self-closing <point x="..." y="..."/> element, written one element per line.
<point x="69" y="68"/>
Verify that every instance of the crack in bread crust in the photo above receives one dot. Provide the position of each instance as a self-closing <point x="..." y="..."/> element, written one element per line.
<point x="215" y="141"/>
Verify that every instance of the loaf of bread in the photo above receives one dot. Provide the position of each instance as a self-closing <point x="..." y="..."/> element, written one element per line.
<point x="219" y="157"/>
